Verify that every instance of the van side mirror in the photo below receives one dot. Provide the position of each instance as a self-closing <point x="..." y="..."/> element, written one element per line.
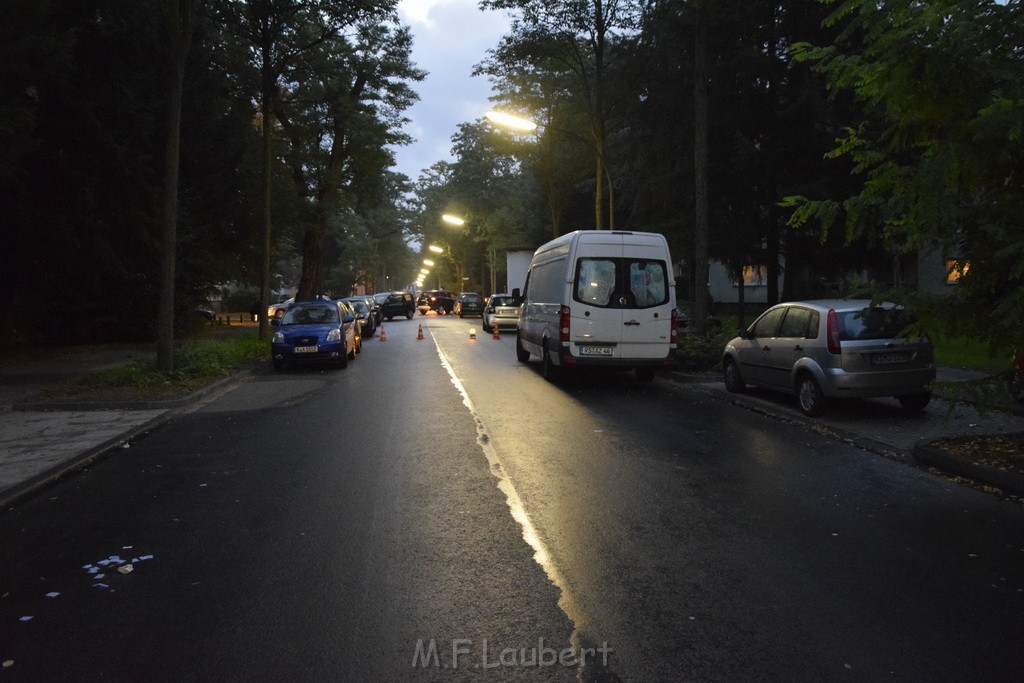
<point x="517" y="296"/>
<point x="745" y="334"/>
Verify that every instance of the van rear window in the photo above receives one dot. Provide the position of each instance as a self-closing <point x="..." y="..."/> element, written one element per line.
<point x="621" y="282"/>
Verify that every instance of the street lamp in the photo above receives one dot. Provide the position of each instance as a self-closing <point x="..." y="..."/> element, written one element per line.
<point x="427" y="262"/>
<point x="510" y="121"/>
<point x="436" y="249"/>
<point x="453" y="220"/>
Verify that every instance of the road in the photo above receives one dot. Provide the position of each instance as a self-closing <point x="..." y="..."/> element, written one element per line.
<point x="439" y="511"/>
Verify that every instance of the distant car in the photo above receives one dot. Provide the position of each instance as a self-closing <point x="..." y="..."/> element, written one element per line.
<point x="827" y="349"/>
<point x="318" y="331"/>
<point x="469" y="303"/>
<point x="357" y="326"/>
<point x="366" y="318"/>
<point x="501" y="311"/>
<point x="378" y="315"/>
<point x="440" y="300"/>
<point x="276" y="311"/>
<point x="398" y="303"/>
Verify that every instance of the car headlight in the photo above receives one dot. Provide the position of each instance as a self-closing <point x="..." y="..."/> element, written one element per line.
<point x="334" y="335"/>
<point x="278" y="338"/>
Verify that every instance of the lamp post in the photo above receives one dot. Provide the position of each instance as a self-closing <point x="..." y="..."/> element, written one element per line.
<point x="519" y="123"/>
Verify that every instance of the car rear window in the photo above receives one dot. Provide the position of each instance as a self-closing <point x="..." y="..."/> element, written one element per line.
<point x="873" y="323"/>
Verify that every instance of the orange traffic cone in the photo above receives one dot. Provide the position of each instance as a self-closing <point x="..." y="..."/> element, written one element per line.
<point x="496" y="334"/>
<point x="419" y="335"/>
<point x="383" y="337"/>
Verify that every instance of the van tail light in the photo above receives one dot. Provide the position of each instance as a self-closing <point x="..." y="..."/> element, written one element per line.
<point x="674" y="334"/>
<point x="563" y="324"/>
<point x="832" y="332"/>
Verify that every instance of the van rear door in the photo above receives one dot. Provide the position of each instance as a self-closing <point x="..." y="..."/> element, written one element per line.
<point x="647" y="305"/>
<point x="597" y="288"/>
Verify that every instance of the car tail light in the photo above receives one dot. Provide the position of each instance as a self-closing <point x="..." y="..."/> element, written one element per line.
<point x="563" y="324"/>
<point x="674" y="335"/>
<point x="832" y="332"/>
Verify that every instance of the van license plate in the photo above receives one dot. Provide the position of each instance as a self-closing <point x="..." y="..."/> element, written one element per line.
<point x="595" y="350"/>
<point x="305" y="349"/>
<point x="889" y="358"/>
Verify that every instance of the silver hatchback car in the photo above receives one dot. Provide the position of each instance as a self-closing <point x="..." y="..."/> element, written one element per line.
<point x="820" y="350"/>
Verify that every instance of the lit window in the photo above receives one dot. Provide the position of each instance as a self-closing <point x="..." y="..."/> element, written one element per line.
<point x="754" y="276"/>
<point x="955" y="270"/>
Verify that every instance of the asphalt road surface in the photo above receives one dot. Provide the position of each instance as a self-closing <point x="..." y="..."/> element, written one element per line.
<point x="438" y="511"/>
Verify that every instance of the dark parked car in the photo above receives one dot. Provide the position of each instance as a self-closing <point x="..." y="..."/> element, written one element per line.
<point x="365" y="316"/>
<point x="469" y="303"/>
<point x="827" y="349"/>
<point x="398" y="303"/>
<point x="319" y="331"/>
<point x="439" y="300"/>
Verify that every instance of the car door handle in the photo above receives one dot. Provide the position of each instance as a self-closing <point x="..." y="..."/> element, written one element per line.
<point x="766" y="348"/>
<point x="632" y="322"/>
<point x="798" y="348"/>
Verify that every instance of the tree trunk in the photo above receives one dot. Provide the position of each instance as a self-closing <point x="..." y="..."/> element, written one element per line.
<point x="179" y="24"/>
<point x="267" y="75"/>
<point x="700" y="163"/>
<point x="311" y="283"/>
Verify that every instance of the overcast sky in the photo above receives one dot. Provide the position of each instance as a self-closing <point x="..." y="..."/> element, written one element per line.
<point x="450" y="38"/>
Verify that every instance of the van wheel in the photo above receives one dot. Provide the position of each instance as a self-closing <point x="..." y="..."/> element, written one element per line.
<point x="915" y="403"/>
<point x="734" y="383"/>
<point x="646" y="374"/>
<point x="812" y="402"/>
<point x="549" y="370"/>
<point x="522" y="355"/>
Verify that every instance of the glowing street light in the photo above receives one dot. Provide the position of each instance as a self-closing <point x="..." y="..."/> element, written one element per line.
<point x="427" y="262"/>
<point x="454" y="220"/>
<point x="436" y="249"/>
<point x="510" y="121"/>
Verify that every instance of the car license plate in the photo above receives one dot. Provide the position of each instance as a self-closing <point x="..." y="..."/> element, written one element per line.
<point x="889" y="358"/>
<point x="306" y="349"/>
<point x="595" y="350"/>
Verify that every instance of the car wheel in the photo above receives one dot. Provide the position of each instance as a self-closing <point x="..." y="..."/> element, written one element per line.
<point x="389" y="318"/>
<point x="522" y="355"/>
<point x="487" y="328"/>
<point x="408" y="316"/>
<point x="342" y="361"/>
<point x="278" y="365"/>
<point x="915" y="403"/>
<point x="812" y="402"/>
<point x="734" y="383"/>
<point x="646" y="374"/>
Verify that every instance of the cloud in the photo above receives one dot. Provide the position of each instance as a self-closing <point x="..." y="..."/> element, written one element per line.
<point x="450" y="38"/>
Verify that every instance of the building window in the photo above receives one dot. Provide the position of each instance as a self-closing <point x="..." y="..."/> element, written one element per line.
<point x="956" y="269"/>
<point x="753" y="276"/>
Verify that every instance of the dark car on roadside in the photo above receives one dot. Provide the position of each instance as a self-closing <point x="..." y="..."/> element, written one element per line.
<point x="365" y="316"/>
<point x="398" y="304"/>
<point x="469" y="303"/>
<point x="439" y="300"/>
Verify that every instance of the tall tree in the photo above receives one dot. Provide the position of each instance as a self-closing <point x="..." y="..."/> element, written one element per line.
<point x="341" y="117"/>
<point x="179" y="17"/>
<point x="940" y="159"/>
<point x="586" y="40"/>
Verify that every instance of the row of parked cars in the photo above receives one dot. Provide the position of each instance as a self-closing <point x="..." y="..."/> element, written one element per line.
<point x="498" y="310"/>
<point x="328" y="331"/>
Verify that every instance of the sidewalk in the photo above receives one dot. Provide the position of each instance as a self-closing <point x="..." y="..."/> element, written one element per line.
<point x="39" y="446"/>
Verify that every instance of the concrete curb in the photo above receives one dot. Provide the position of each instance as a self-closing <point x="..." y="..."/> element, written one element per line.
<point x="922" y="453"/>
<point x="15" y="494"/>
<point x="927" y="453"/>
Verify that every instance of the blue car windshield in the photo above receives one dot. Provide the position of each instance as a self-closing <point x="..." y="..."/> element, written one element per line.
<point x="311" y="315"/>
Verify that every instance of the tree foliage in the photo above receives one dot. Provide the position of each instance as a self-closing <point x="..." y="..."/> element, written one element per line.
<point x="939" y="152"/>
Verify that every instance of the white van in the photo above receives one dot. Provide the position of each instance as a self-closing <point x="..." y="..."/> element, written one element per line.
<point x="600" y="298"/>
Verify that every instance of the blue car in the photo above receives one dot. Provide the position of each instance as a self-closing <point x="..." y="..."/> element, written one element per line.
<point x="319" y="331"/>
